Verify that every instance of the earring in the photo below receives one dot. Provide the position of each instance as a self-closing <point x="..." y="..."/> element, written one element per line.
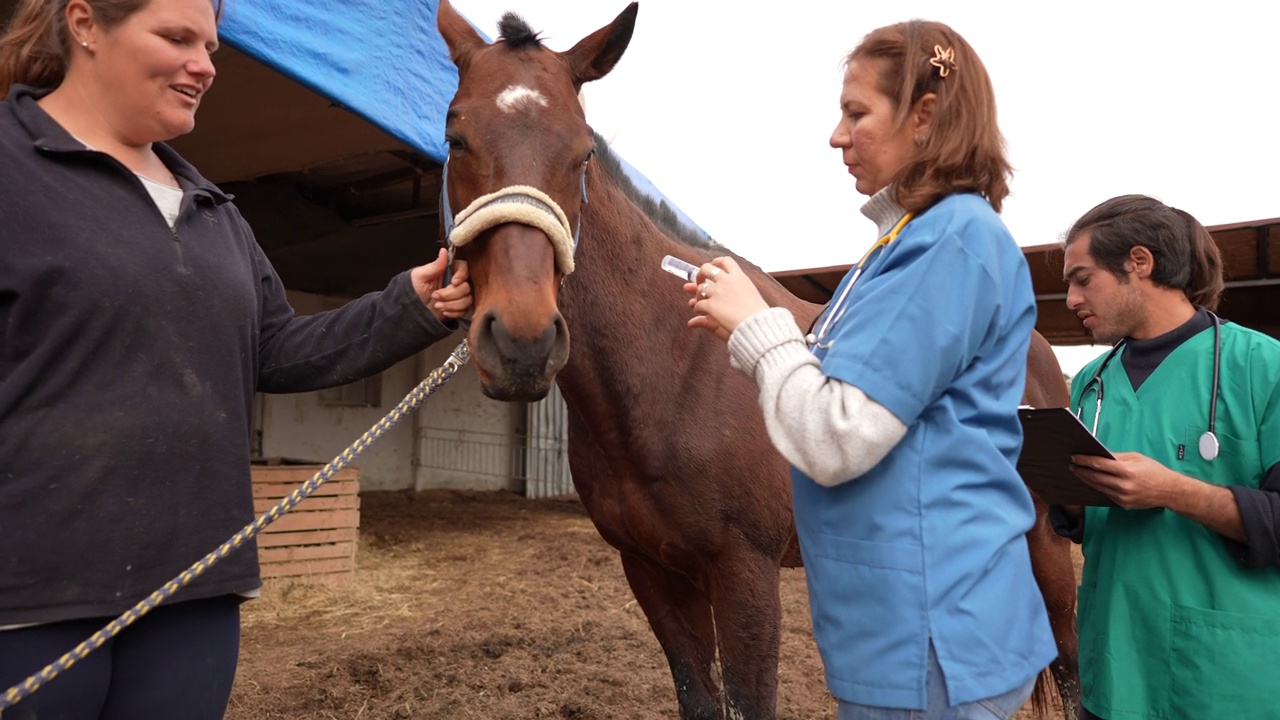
<point x="84" y="44"/>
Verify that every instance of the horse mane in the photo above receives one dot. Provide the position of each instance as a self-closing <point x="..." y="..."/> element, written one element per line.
<point x="659" y="212"/>
<point x="516" y="33"/>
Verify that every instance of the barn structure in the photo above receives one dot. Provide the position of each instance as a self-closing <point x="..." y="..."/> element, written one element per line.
<point x="1250" y="256"/>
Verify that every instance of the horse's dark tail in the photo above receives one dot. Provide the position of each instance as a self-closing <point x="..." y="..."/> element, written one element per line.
<point x="1056" y="688"/>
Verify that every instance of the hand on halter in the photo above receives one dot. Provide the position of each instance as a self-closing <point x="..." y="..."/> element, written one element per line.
<point x="451" y="302"/>
<point x="723" y="297"/>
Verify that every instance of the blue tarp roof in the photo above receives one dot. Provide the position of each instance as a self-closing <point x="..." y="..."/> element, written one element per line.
<point x="383" y="60"/>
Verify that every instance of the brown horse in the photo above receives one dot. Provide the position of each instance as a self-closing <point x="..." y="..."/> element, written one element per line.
<point x="667" y="444"/>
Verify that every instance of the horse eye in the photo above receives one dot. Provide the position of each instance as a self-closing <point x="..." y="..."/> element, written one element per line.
<point x="454" y="142"/>
<point x="590" y="154"/>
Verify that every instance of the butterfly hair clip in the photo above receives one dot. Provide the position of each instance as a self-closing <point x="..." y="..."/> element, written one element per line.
<point x="944" y="60"/>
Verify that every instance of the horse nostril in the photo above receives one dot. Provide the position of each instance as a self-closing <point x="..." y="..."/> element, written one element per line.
<point x="500" y="334"/>
<point x="520" y="349"/>
<point x="560" y="344"/>
<point x="483" y="327"/>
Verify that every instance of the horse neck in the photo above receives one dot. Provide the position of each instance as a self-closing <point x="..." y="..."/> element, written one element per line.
<point x="626" y="316"/>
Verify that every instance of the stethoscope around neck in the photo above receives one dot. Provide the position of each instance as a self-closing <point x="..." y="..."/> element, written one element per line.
<point x="833" y="312"/>
<point x="1208" y="441"/>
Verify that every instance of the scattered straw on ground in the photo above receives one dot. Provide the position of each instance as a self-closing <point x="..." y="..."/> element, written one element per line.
<point x="479" y="605"/>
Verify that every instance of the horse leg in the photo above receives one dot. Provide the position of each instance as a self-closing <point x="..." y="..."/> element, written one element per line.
<point x="680" y="616"/>
<point x="748" y="614"/>
<point x="1056" y="576"/>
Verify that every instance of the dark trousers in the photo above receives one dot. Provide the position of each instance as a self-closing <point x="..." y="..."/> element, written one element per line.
<point x="1086" y="715"/>
<point x="178" y="661"/>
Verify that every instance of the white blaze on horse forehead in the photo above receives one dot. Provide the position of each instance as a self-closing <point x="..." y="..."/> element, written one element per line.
<point x="517" y="97"/>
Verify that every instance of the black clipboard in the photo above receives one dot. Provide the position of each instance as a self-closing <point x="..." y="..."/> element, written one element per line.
<point x="1050" y="436"/>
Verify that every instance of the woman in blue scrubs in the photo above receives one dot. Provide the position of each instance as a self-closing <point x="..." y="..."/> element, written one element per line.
<point x="898" y="408"/>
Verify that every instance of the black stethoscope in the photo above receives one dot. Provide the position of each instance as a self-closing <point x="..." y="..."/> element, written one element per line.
<point x="1208" y="441"/>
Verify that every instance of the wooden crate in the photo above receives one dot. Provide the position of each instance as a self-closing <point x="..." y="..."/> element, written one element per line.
<point x="316" y="541"/>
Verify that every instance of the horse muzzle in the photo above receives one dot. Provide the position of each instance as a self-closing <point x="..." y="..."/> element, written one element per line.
<point x="517" y="366"/>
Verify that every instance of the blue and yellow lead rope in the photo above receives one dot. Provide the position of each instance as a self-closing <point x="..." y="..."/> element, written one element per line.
<point x="415" y="398"/>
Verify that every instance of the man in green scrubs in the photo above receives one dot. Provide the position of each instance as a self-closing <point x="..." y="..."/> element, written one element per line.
<point x="1179" y="613"/>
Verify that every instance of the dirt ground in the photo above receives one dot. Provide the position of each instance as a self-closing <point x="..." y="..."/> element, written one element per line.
<point x="480" y="605"/>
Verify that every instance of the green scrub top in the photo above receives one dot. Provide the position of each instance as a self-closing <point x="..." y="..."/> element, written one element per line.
<point x="1171" y="625"/>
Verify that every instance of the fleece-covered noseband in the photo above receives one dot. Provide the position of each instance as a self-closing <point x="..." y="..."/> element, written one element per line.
<point x="512" y="204"/>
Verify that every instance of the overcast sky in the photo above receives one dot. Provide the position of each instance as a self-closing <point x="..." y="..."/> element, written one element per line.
<point x="727" y="108"/>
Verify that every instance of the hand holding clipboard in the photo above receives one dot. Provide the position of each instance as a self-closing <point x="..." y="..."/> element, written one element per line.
<point x="1050" y="436"/>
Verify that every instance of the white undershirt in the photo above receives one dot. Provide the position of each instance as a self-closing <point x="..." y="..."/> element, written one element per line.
<point x="167" y="199"/>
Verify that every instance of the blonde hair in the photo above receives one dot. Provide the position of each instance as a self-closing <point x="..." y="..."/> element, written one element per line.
<point x="964" y="150"/>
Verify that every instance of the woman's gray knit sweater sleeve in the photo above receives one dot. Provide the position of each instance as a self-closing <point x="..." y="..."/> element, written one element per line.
<point x="827" y="428"/>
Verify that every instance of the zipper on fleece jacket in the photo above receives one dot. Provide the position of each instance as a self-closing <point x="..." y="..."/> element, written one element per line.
<point x="137" y="183"/>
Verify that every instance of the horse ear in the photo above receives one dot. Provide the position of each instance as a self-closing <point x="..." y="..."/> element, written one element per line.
<point x="596" y="54"/>
<point x="462" y="39"/>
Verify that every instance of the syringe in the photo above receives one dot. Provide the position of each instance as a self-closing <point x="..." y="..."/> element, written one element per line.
<point x="680" y="268"/>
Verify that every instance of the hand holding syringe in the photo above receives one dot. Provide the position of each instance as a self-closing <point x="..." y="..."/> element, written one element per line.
<point x="725" y="297"/>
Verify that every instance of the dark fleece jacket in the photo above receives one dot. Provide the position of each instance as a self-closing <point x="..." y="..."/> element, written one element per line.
<point x="129" y="356"/>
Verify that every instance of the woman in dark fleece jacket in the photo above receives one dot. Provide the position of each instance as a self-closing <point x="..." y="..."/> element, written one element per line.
<point x="138" y="316"/>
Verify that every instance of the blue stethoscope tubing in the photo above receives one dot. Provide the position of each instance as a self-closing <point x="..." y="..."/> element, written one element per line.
<point x="1208" y="444"/>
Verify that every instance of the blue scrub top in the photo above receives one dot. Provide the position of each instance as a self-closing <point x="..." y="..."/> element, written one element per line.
<point x="929" y="544"/>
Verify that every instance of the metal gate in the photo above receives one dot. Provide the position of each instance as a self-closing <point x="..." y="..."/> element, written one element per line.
<point x="546" y="467"/>
<point x="536" y="459"/>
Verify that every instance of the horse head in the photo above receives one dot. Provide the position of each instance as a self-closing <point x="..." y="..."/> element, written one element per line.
<point x="514" y="187"/>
